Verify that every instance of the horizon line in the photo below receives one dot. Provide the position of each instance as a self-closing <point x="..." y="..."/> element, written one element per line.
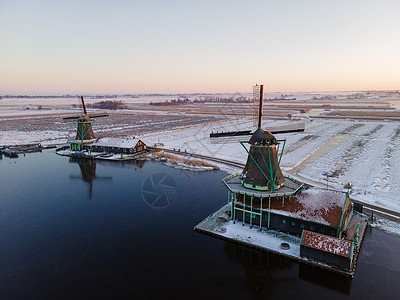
<point x="185" y="93"/>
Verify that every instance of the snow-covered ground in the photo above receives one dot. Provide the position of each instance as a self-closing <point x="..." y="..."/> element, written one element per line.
<point x="13" y="137"/>
<point x="365" y="154"/>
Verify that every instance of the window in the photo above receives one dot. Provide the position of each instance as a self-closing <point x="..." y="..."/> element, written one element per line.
<point x="322" y="230"/>
<point x="312" y="227"/>
<point x="293" y="223"/>
<point x="302" y="225"/>
<point x="333" y="232"/>
<point x="284" y="221"/>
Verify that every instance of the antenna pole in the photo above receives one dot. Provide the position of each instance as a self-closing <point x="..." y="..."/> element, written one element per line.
<point x="83" y="105"/>
<point x="260" y="112"/>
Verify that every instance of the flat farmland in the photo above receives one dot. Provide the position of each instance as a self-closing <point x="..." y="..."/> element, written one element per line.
<point x="346" y="141"/>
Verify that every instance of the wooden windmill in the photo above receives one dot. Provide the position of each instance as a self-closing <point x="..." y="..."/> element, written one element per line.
<point x="84" y="130"/>
<point x="262" y="170"/>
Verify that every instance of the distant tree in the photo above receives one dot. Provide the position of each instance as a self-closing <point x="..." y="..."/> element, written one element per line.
<point x="108" y="104"/>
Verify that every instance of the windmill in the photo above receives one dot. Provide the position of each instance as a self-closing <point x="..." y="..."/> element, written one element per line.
<point x="88" y="173"/>
<point x="84" y="130"/>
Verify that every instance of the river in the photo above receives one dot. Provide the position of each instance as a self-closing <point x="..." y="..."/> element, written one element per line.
<point x="71" y="229"/>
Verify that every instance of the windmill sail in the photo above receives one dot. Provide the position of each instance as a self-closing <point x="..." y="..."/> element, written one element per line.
<point x="258" y="109"/>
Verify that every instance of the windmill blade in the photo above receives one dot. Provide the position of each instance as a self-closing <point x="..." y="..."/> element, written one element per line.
<point x="288" y="128"/>
<point x="83" y="105"/>
<point x="258" y="95"/>
<point x="228" y="139"/>
<point x="98" y="116"/>
<point x="230" y="133"/>
<point x="248" y="132"/>
<point x="277" y="131"/>
<point x="90" y="116"/>
<point x="90" y="190"/>
<point x="70" y="118"/>
<point x="84" y="111"/>
<point x="260" y="90"/>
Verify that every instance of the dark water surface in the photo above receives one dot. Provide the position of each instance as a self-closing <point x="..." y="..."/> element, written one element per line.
<point x="112" y="230"/>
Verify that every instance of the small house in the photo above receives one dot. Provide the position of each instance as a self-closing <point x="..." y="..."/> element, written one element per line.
<point x="118" y="145"/>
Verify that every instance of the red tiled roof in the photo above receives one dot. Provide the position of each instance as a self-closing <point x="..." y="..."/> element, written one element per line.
<point x="318" y="205"/>
<point x="326" y="243"/>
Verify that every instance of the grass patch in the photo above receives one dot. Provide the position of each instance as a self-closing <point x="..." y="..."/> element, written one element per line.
<point x="175" y="159"/>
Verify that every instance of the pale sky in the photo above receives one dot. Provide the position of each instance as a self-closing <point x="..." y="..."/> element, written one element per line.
<point x="161" y="46"/>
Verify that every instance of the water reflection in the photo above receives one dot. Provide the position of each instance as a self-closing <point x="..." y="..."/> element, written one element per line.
<point x="265" y="272"/>
<point x="135" y="164"/>
<point x="325" y="279"/>
<point x="55" y="246"/>
<point x="88" y="170"/>
<point x="88" y="173"/>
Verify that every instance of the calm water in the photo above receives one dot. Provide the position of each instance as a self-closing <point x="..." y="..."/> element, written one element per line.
<point x="106" y="229"/>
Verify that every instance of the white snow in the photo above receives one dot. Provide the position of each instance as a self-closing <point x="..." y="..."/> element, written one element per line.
<point x="365" y="154"/>
<point x="327" y="243"/>
<point x="315" y="205"/>
<point x="116" y="142"/>
<point x="266" y="239"/>
<point x="29" y="137"/>
<point x="386" y="225"/>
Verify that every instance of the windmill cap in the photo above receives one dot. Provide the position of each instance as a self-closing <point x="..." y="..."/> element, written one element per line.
<point x="262" y="136"/>
<point x="84" y="117"/>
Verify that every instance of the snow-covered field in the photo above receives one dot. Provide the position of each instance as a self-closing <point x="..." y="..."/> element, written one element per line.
<point x="364" y="153"/>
